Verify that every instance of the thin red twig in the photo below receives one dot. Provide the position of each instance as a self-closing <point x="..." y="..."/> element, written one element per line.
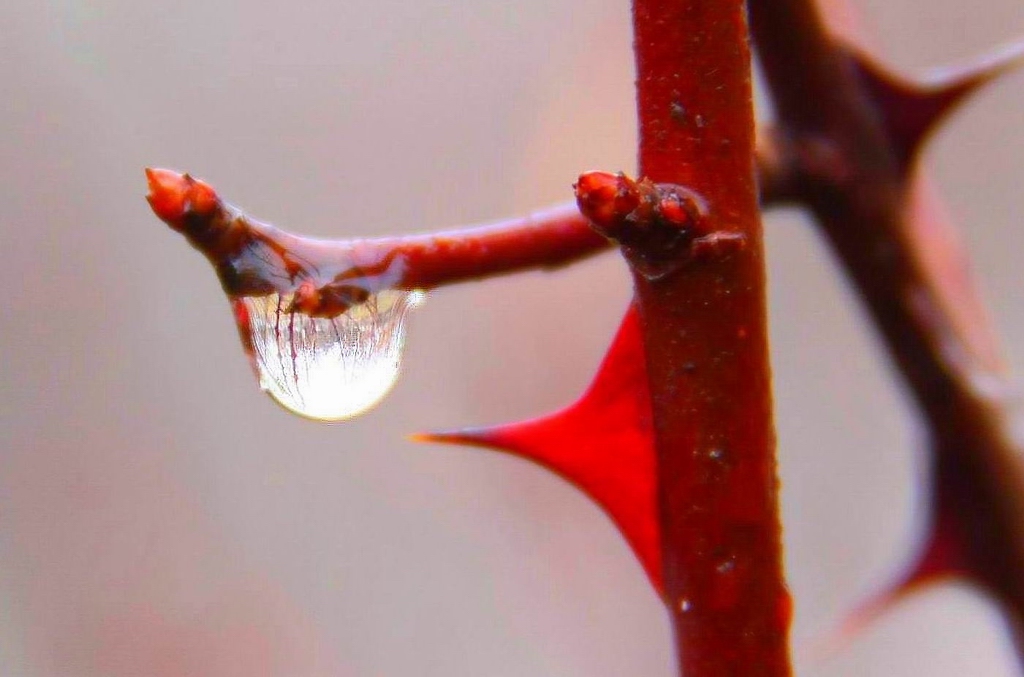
<point x="254" y="258"/>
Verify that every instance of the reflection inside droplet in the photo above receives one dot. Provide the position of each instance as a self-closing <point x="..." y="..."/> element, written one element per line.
<point x="328" y="369"/>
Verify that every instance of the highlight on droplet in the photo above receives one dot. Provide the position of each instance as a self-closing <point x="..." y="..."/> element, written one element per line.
<point x="326" y="368"/>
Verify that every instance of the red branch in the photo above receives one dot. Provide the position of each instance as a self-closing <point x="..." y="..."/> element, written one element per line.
<point x="705" y="336"/>
<point x="602" y="443"/>
<point x="254" y="258"/>
<point x="854" y="132"/>
<point x="681" y="454"/>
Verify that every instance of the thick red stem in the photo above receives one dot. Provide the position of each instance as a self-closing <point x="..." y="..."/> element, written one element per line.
<point x="705" y="335"/>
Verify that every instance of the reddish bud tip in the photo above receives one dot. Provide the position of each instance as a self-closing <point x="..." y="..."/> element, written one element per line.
<point x="606" y="199"/>
<point x="172" y="196"/>
<point x="677" y="210"/>
<point x="167" y="192"/>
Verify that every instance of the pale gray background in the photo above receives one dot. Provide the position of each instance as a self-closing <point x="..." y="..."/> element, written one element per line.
<point x="159" y="516"/>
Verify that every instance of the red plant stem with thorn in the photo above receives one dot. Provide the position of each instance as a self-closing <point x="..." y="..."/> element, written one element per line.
<point x="844" y="147"/>
<point x="858" y="190"/>
<point x="705" y="336"/>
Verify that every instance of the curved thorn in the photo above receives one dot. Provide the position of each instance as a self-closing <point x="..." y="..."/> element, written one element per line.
<point x="911" y="111"/>
<point x="941" y="558"/>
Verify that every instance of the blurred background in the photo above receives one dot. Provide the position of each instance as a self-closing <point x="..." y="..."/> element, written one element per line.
<point x="159" y="516"/>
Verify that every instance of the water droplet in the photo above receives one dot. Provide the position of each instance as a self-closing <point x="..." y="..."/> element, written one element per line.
<point x="326" y="368"/>
<point x="685" y="605"/>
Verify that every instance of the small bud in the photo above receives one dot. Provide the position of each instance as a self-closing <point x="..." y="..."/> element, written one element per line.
<point x="175" y="196"/>
<point x="659" y="226"/>
<point x="167" y="192"/>
<point x="678" y="210"/>
<point x="606" y="199"/>
<point x="202" y="199"/>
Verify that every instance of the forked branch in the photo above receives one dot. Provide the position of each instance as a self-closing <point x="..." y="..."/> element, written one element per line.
<point x="702" y="442"/>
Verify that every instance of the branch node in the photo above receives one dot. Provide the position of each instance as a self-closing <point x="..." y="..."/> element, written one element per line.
<point x="660" y="226"/>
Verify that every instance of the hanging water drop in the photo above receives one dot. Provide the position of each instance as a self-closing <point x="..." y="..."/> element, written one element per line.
<point x="326" y="368"/>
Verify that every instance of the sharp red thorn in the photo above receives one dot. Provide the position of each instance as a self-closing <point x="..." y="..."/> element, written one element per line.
<point x="985" y="68"/>
<point x="856" y="621"/>
<point x="912" y="111"/>
<point x="603" y="444"/>
<point x="478" y="437"/>
<point x="941" y="558"/>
